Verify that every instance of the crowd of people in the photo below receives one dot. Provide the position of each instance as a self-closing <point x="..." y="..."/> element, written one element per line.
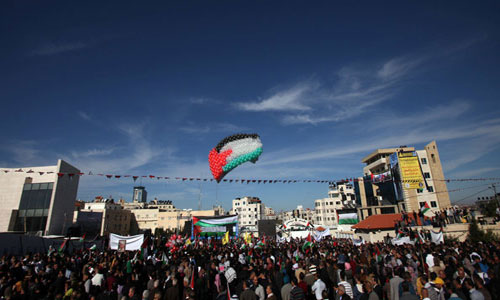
<point x="263" y="269"/>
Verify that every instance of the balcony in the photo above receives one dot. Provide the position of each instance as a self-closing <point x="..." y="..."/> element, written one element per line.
<point x="375" y="165"/>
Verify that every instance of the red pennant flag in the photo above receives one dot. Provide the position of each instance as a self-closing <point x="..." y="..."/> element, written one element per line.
<point x="151" y="176"/>
<point x="192" y="280"/>
<point x="118" y="176"/>
<point x="30" y="171"/>
<point x="70" y="175"/>
<point x="41" y="173"/>
<point x="135" y="178"/>
<point x="7" y="171"/>
<point x="184" y="179"/>
<point x="60" y="174"/>
<point x="19" y="170"/>
<point x="81" y="174"/>
<point x="109" y="176"/>
<point x="259" y="181"/>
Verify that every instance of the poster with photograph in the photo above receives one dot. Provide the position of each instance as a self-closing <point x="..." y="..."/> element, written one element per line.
<point x="121" y="245"/>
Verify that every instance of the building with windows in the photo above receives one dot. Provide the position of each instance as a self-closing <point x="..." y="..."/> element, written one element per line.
<point x="341" y="199"/>
<point x="38" y="199"/>
<point x="249" y="210"/>
<point x="140" y="194"/>
<point x="102" y="217"/>
<point x="299" y="212"/>
<point x="382" y="189"/>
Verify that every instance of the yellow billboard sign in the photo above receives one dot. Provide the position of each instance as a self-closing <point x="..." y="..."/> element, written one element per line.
<point x="411" y="175"/>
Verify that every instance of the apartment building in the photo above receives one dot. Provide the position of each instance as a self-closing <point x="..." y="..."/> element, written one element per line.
<point x="249" y="210"/>
<point x="341" y="199"/>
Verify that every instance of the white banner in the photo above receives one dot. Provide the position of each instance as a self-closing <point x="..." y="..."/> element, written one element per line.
<point x="213" y="229"/>
<point x="319" y="235"/>
<point x="437" y="237"/>
<point x="358" y="242"/>
<point x="402" y="241"/>
<point x="132" y="243"/>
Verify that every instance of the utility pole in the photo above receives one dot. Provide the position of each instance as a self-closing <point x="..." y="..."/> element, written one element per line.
<point x="495" y="193"/>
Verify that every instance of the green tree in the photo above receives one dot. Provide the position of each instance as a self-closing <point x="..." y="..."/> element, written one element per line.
<point x="476" y="234"/>
<point x="490" y="208"/>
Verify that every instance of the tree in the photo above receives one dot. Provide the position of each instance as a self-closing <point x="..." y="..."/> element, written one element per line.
<point x="490" y="209"/>
<point x="476" y="234"/>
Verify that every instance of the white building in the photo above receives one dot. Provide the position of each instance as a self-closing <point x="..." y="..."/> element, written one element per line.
<point x="38" y="199"/>
<point x="249" y="211"/>
<point x="300" y="212"/>
<point x="341" y="198"/>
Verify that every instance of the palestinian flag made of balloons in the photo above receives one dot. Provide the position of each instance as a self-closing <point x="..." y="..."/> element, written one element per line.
<point x="232" y="151"/>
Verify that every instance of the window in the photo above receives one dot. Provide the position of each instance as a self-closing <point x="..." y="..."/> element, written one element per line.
<point x="430" y="189"/>
<point x="433" y="158"/>
<point x="423" y="160"/>
<point x="422" y="204"/>
<point x="338" y="202"/>
<point x="427" y="175"/>
<point x="433" y="204"/>
<point x="420" y="191"/>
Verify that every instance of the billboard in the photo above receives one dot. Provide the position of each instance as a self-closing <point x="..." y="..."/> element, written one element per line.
<point x="411" y="175"/>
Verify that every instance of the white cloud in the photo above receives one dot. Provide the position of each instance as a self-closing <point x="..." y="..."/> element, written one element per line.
<point x="23" y="151"/>
<point x="136" y="153"/>
<point x="93" y="152"/>
<point x="193" y="128"/>
<point x="356" y="89"/>
<point x="404" y="137"/>
<point x="51" y="48"/>
<point x="291" y="99"/>
<point x="477" y="172"/>
<point x="84" y="115"/>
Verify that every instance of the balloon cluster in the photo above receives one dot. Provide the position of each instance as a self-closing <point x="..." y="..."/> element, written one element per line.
<point x="233" y="151"/>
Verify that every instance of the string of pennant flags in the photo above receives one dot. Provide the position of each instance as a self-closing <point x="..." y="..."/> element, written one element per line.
<point x="372" y="178"/>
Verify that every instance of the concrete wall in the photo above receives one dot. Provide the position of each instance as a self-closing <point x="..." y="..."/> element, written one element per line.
<point x="63" y="199"/>
<point x="459" y="231"/>
<point x="11" y="189"/>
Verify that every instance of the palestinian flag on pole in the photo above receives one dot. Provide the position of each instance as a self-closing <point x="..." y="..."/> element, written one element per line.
<point x="425" y="208"/>
<point x="348" y="218"/>
<point x="61" y="248"/>
<point x="144" y="249"/>
<point x="93" y="248"/>
<point x="82" y="238"/>
<point x="308" y="243"/>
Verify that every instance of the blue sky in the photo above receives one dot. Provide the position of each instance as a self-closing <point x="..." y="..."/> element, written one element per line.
<point x="123" y="88"/>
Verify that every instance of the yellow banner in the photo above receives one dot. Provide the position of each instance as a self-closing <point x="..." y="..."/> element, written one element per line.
<point x="411" y="176"/>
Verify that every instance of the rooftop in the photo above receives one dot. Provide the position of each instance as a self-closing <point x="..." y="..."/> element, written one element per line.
<point x="384" y="221"/>
<point x="386" y="151"/>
